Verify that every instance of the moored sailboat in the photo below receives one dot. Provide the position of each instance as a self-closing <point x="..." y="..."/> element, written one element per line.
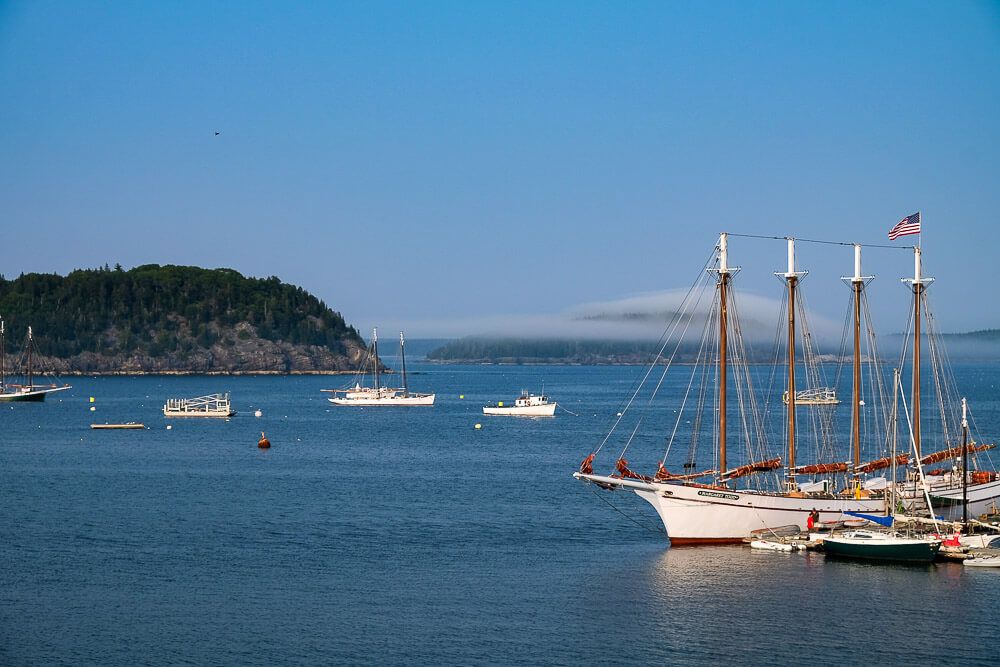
<point x="877" y="546"/>
<point x="379" y="395"/>
<point x="27" y="391"/>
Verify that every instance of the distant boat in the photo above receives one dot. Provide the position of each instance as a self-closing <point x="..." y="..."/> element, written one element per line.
<point x="378" y="395"/>
<point x="28" y="391"/>
<point x="212" y="405"/>
<point x="526" y="405"/>
<point x="818" y="396"/>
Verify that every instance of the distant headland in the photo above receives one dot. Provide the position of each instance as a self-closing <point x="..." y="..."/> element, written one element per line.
<point x="174" y="320"/>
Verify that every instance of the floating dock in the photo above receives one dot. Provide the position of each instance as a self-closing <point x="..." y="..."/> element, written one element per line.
<point x="213" y="405"/>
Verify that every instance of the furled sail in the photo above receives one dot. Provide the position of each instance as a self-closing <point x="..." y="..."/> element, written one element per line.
<point x="954" y="452"/>
<point x="750" y="468"/>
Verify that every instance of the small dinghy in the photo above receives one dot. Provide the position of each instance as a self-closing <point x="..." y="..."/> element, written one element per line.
<point x="769" y="545"/>
<point x="982" y="561"/>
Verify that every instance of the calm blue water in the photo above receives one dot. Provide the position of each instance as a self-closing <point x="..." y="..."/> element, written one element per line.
<point x="406" y="536"/>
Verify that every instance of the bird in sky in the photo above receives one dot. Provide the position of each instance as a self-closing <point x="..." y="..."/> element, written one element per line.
<point x="217" y="133"/>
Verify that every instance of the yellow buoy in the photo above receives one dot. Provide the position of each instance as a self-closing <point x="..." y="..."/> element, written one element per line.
<point x="478" y="426"/>
<point x="500" y="404"/>
<point x="461" y="396"/>
<point x="91" y="399"/>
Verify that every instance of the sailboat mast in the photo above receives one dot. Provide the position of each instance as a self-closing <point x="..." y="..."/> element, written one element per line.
<point x="402" y="356"/>
<point x="918" y="282"/>
<point x="857" y="286"/>
<point x="791" y="278"/>
<point x="3" y="358"/>
<point x="965" y="464"/>
<point x="895" y="429"/>
<point x="723" y="344"/>
<point x="375" y="357"/>
<point x="31" y="382"/>
<point x="916" y="366"/>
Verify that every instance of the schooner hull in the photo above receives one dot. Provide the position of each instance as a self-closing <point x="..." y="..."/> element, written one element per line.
<point x="947" y="499"/>
<point x="388" y="401"/>
<point x="28" y="397"/>
<point x="698" y="515"/>
<point x="982" y="498"/>
<point x="33" y="396"/>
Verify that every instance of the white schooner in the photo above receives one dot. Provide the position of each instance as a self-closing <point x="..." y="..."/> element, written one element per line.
<point x="724" y="503"/>
<point x="379" y="395"/>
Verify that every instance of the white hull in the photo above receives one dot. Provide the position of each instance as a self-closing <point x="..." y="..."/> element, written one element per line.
<point x="389" y="401"/>
<point x="981" y="498"/>
<point x="547" y="410"/>
<point x="946" y="497"/>
<point x="978" y="541"/>
<point x="699" y="515"/>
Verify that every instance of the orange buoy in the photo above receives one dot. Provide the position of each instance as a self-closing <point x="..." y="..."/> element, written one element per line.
<point x="263" y="443"/>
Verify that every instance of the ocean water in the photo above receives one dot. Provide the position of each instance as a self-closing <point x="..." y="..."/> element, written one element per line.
<point x="407" y="536"/>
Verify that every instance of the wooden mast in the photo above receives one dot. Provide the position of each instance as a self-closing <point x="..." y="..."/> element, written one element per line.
<point x="723" y="344"/>
<point x="375" y="358"/>
<point x="31" y="382"/>
<point x="918" y="282"/>
<point x="858" y="283"/>
<point x="916" y="366"/>
<point x="965" y="465"/>
<point x="402" y="357"/>
<point x="791" y="278"/>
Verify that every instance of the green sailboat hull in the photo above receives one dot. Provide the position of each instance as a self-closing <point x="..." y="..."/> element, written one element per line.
<point x="915" y="551"/>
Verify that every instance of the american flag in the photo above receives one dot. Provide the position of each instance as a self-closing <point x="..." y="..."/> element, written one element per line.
<point x="908" y="225"/>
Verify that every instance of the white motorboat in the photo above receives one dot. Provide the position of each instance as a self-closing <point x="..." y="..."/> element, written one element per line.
<point x="525" y="405"/>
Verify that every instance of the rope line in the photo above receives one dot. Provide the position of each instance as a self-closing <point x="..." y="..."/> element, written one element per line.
<point x="659" y="530"/>
<point x="821" y="241"/>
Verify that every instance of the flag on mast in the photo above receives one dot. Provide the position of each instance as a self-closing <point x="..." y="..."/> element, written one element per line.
<point x="908" y="225"/>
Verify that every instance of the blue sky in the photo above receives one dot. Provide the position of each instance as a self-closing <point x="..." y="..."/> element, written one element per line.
<point x="447" y="166"/>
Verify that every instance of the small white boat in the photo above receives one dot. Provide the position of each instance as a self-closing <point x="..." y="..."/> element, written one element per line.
<point x="768" y="545"/>
<point x="526" y="405"/>
<point x="982" y="561"/>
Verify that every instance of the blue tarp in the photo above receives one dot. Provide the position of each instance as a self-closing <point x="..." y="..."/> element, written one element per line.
<point x="881" y="520"/>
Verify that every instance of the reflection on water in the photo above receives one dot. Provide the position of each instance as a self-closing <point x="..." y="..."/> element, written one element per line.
<point x="692" y="605"/>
